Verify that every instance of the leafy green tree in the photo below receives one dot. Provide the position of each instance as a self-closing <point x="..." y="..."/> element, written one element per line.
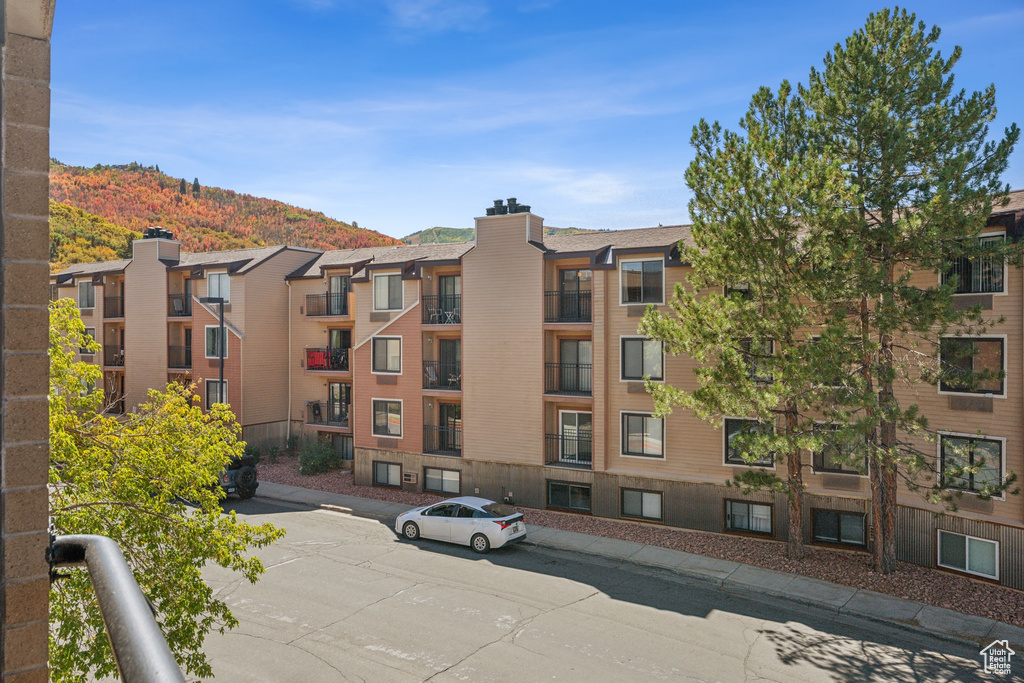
<point x="195" y="188"/>
<point x="923" y="177"/>
<point x="129" y="479"/>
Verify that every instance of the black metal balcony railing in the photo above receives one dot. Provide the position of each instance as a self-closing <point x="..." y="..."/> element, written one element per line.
<point x="139" y="647"/>
<point x="567" y="307"/>
<point x="569" y="450"/>
<point x="328" y="413"/>
<point x="327" y="359"/>
<point x="179" y="356"/>
<point x="442" y="309"/>
<point x="442" y="440"/>
<point x="113" y="356"/>
<point x="327" y="304"/>
<point x="179" y="305"/>
<point x="113" y="307"/>
<point x="442" y="375"/>
<point x="567" y="378"/>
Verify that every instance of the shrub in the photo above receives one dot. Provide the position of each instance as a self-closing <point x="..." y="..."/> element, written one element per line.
<point x="317" y="457"/>
<point x="292" y="444"/>
<point x="253" y="450"/>
<point x="272" y="450"/>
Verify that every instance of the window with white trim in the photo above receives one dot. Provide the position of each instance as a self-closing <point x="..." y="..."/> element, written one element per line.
<point x="441" y="481"/>
<point x="643" y="435"/>
<point x="643" y="282"/>
<point x="387" y="473"/>
<point x="387" y="354"/>
<point x="757" y="354"/>
<point x="387" y="292"/>
<point x="979" y="274"/>
<point x="86" y="295"/>
<point x="642" y="504"/>
<point x="834" y="526"/>
<point x="969" y="554"/>
<point x="836" y="454"/>
<point x="642" y="358"/>
<point x="218" y="285"/>
<point x="216" y="392"/>
<point x="957" y="452"/>
<point x="752" y="517"/>
<point x="736" y="430"/>
<point x="214" y="341"/>
<point x="972" y="365"/>
<point x="387" y="418"/>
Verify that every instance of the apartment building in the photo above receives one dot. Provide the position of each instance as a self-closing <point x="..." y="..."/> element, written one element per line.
<point x="511" y="368"/>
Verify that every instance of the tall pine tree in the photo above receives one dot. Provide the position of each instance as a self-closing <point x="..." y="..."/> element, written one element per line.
<point x="195" y="188"/>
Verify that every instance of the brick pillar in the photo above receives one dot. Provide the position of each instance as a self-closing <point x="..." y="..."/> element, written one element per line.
<point x="24" y="269"/>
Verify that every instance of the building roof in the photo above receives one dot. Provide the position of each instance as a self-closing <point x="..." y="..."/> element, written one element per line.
<point x="1016" y="203"/>
<point x="96" y="268"/>
<point x="244" y="260"/>
<point x="636" y="238"/>
<point x="378" y="256"/>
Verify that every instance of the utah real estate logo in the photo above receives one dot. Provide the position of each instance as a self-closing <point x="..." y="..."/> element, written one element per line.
<point x="997" y="657"/>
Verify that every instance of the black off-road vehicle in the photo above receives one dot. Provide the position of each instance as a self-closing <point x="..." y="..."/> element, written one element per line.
<point x="240" y="477"/>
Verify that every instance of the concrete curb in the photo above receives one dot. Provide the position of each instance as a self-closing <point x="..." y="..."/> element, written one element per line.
<point x="730" y="576"/>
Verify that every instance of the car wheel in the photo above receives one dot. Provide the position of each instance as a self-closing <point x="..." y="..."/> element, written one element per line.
<point x="245" y="480"/>
<point x="480" y="543"/>
<point x="411" y="531"/>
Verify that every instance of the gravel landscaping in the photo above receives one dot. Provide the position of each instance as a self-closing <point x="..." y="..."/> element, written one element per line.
<point x="930" y="586"/>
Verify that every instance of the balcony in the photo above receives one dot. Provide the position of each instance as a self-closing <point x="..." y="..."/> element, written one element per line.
<point x="327" y="413"/>
<point x="115" y="406"/>
<point x="442" y="440"/>
<point x="439" y="374"/>
<point x="179" y="357"/>
<point x="443" y="309"/>
<point x="327" y="359"/>
<point x="113" y="356"/>
<point x="113" y="307"/>
<point x="567" y="307"/>
<point x="326" y="304"/>
<point x="567" y="378"/>
<point x="565" y="450"/>
<point x="179" y="305"/>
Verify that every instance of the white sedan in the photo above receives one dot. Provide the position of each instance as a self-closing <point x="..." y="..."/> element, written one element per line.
<point x="477" y="522"/>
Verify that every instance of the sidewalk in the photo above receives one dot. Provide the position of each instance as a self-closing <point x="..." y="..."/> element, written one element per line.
<point x="728" y="575"/>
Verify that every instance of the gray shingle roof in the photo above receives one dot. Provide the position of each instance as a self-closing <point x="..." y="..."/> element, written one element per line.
<point x="95" y="268"/>
<point x="619" y="239"/>
<point x="383" y="255"/>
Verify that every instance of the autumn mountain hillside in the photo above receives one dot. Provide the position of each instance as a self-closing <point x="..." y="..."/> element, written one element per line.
<point x="119" y="200"/>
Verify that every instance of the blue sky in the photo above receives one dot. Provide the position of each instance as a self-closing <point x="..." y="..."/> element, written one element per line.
<point x="408" y="114"/>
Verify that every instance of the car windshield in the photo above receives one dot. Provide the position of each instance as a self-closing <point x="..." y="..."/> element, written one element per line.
<point x="499" y="510"/>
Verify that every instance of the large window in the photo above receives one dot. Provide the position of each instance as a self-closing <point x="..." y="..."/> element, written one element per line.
<point x="832" y="526"/>
<point x="216" y="392"/>
<point x="387" y="418"/>
<point x="441" y="481"/>
<point x="387" y="474"/>
<point x="642" y="357"/>
<point x="218" y="285"/>
<point x="214" y="341"/>
<point x="757" y="353"/>
<point x="972" y="365"/>
<point x="737" y="433"/>
<point x="982" y="274"/>
<point x="90" y="335"/>
<point x="969" y="554"/>
<point x="387" y="354"/>
<point x="836" y="454"/>
<point x="642" y="282"/>
<point x="86" y="295"/>
<point x="968" y="451"/>
<point x="643" y="435"/>
<point x="642" y="504"/>
<point x="387" y="292"/>
<point x="752" y="517"/>
<point x="568" y="496"/>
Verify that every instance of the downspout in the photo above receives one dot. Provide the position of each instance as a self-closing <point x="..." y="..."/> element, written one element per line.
<point x="288" y="357"/>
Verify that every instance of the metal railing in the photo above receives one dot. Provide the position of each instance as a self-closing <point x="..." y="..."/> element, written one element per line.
<point x="567" y="307"/>
<point x="179" y="356"/>
<point x="113" y="356"/>
<point x="327" y="413"/>
<point x="569" y="450"/>
<point x="439" y="374"/>
<point x="442" y="440"/>
<point x="140" y="650"/>
<point x="327" y="358"/>
<point x="442" y="309"/>
<point x="113" y="307"/>
<point x="567" y="378"/>
<point x="179" y="305"/>
<point x="327" y="304"/>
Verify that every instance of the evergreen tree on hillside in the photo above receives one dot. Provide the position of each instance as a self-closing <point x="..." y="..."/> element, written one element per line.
<point x="195" y="188"/>
<point x="182" y="186"/>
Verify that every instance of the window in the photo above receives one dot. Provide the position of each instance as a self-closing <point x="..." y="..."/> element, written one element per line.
<point x="642" y="282"/>
<point x="972" y="365"/>
<point x="642" y="357"/>
<point x="969" y="554"/>
<point x="342" y="445"/>
<point x="832" y="526"/>
<point x="569" y="496"/>
<point x="753" y="517"/>
<point x="387" y="354"/>
<point x="387" y="474"/>
<point x="216" y="392"/>
<point x="86" y="295"/>
<point x="441" y="481"/>
<point x="387" y="418"/>
<point x="213" y="342"/>
<point x="742" y="290"/>
<point x="757" y="354"/>
<point x="643" y="435"/>
<point x="981" y="274"/>
<point x="218" y="285"/>
<point x="737" y="431"/>
<point x="641" y="504"/>
<point x="90" y="335"/>
<point x="835" y="454"/>
<point x="968" y="451"/>
<point x="387" y="292"/>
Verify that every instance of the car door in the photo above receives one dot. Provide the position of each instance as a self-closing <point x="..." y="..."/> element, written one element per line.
<point x="464" y="525"/>
<point x="436" y="521"/>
